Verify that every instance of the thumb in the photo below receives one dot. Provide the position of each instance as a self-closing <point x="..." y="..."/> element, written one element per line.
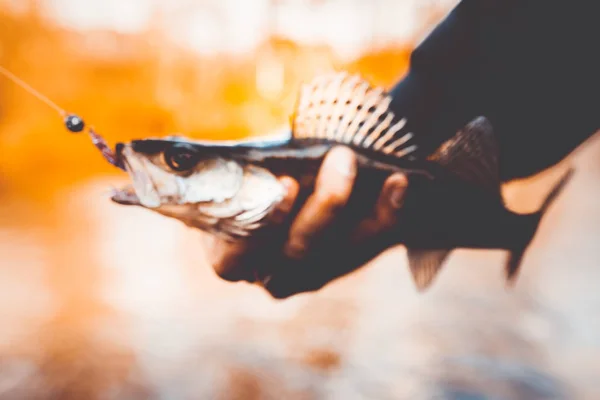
<point x="385" y="214"/>
<point x="391" y="199"/>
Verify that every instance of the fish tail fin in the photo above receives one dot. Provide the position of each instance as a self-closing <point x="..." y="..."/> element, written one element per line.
<point x="516" y="254"/>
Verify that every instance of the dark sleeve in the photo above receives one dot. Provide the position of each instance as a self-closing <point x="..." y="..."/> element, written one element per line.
<point x="530" y="66"/>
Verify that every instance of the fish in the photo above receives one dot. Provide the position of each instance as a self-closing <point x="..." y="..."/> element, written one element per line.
<point x="230" y="188"/>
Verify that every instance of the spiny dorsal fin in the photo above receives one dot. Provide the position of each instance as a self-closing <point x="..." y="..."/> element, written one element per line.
<point x="347" y="109"/>
<point x="472" y="154"/>
<point x="425" y="265"/>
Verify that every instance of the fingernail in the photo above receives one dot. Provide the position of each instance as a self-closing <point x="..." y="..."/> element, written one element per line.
<point x="344" y="162"/>
<point x="397" y="196"/>
<point x="287" y="184"/>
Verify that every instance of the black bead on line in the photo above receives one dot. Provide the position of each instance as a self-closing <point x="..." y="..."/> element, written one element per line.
<point x="74" y="123"/>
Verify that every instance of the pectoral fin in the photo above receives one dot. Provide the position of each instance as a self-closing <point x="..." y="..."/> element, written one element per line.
<point x="425" y="264"/>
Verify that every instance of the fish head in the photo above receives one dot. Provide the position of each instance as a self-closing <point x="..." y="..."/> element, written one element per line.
<point x="206" y="188"/>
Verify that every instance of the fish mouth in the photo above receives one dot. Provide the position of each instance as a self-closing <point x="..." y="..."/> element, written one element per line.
<point x="142" y="191"/>
<point x="126" y="196"/>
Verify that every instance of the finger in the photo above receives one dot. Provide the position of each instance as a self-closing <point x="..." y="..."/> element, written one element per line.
<point x="385" y="213"/>
<point x="391" y="199"/>
<point x="228" y="258"/>
<point x="282" y="210"/>
<point x="332" y="189"/>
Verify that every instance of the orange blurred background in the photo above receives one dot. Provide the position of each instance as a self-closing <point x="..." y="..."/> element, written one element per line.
<point x="99" y="301"/>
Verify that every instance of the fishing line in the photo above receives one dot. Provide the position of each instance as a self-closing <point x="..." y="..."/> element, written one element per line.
<point x="32" y="91"/>
<point x="72" y="122"/>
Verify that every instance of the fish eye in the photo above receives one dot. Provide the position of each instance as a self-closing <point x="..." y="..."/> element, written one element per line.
<point x="180" y="157"/>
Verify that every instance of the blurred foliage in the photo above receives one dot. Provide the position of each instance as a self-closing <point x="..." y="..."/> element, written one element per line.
<point x="133" y="86"/>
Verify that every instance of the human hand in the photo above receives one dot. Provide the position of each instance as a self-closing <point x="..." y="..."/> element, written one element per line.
<point x="318" y="245"/>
